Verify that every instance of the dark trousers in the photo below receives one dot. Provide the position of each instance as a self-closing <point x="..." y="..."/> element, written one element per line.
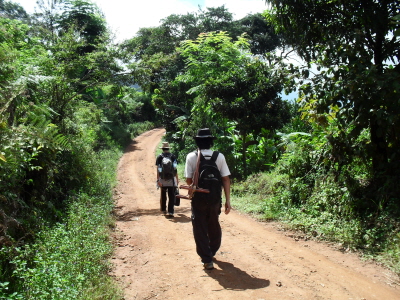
<point x="171" y="198"/>
<point x="207" y="230"/>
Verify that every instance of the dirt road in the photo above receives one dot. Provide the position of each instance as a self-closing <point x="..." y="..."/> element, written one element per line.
<point x="155" y="257"/>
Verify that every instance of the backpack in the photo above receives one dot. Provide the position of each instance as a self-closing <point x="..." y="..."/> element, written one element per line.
<point x="167" y="169"/>
<point x="210" y="179"/>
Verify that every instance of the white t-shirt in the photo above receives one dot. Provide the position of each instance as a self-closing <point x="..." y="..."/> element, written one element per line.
<point x="191" y="160"/>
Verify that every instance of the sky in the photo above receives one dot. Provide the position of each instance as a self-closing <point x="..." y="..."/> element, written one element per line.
<point x="125" y="17"/>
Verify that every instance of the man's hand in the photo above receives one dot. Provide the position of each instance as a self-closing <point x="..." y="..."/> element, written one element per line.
<point x="226" y="182"/>
<point x="159" y="183"/>
<point x="228" y="207"/>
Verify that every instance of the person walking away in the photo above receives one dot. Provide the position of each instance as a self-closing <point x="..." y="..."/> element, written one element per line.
<point x="167" y="179"/>
<point x="206" y="207"/>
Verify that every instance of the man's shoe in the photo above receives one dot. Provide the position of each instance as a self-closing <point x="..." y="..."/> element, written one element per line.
<point x="170" y="215"/>
<point x="208" y="266"/>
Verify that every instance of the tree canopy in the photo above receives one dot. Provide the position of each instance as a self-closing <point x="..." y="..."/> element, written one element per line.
<point x="153" y="45"/>
<point x="355" y="50"/>
<point x="231" y="86"/>
<point x="11" y="10"/>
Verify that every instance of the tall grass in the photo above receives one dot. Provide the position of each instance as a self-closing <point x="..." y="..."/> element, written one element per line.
<point x="322" y="209"/>
<point x="70" y="259"/>
<point x="136" y="129"/>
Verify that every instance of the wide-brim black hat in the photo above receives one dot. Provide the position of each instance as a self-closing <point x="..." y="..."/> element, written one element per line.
<point x="204" y="133"/>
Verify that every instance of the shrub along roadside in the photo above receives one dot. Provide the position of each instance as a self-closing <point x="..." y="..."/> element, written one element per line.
<point x="69" y="260"/>
<point x="322" y="210"/>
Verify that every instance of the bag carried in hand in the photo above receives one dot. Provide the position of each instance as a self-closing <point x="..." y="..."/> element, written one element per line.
<point x="167" y="169"/>
<point x="210" y="179"/>
<point x="177" y="200"/>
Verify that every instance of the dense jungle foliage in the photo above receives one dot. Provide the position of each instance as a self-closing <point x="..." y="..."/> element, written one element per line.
<point x="325" y="165"/>
<point x="66" y="112"/>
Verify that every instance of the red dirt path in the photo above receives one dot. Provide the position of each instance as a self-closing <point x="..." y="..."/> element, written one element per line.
<point x="155" y="257"/>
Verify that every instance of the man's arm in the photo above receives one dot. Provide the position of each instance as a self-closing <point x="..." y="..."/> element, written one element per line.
<point x="177" y="178"/>
<point x="226" y="183"/>
<point x="158" y="178"/>
<point x="158" y="162"/>
<point x="176" y="171"/>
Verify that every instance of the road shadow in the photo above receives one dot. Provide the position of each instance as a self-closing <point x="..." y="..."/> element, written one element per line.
<point x="132" y="215"/>
<point x="233" y="278"/>
<point x="133" y="144"/>
<point x="182" y="217"/>
<point x="132" y="147"/>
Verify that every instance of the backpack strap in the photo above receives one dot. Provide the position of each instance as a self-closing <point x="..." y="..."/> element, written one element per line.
<point x="214" y="156"/>
<point x="202" y="157"/>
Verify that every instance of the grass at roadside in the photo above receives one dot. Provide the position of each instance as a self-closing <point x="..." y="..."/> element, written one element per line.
<point x="70" y="259"/>
<point x="269" y="196"/>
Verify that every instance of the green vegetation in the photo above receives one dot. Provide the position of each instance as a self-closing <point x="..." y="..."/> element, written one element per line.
<point x="66" y="113"/>
<point x="70" y="259"/>
<point x="325" y="165"/>
<point x="321" y="206"/>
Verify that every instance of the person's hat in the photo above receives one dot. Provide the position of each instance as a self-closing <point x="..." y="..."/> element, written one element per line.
<point x="204" y="133"/>
<point x="165" y="145"/>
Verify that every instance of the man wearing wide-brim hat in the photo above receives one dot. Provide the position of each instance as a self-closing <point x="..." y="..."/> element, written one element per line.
<point x="167" y="185"/>
<point x="205" y="214"/>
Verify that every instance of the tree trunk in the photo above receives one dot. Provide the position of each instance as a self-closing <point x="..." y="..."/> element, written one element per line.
<point x="379" y="151"/>
<point x="377" y="132"/>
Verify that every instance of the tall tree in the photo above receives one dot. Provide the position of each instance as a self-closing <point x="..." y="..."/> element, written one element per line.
<point x="156" y="62"/>
<point x="216" y="18"/>
<point x="262" y="36"/>
<point x="88" y="20"/>
<point x="47" y="17"/>
<point x="354" y="46"/>
<point x="232" y="85"/>
<point x="11" y="10"/>
<point x="177" y="28"/>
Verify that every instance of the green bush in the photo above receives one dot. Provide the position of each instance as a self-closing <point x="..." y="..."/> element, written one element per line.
<point x="69" y="225"/>
<point x="70" y="259"/>
<point x="391" y="255"/>
<point x="136" y="129"/>
<point x="324" y="203"/>
<point x="256" y="195"/>
<point x="311" y="194"/>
